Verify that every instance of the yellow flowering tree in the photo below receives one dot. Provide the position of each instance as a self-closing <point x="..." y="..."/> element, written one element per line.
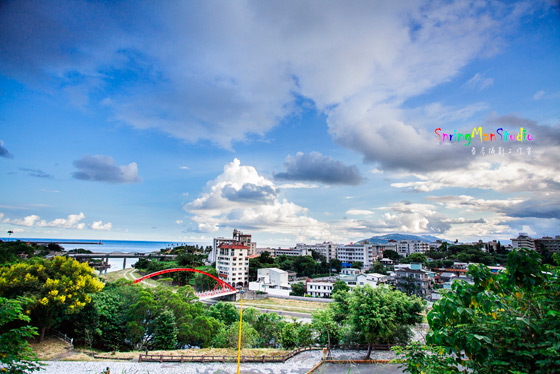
<point x="54" y="288"/>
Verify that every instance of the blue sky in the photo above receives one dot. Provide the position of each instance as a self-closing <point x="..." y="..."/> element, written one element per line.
<point x="296" y="121"/>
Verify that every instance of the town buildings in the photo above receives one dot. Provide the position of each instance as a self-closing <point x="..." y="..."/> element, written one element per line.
<point x="546" y="243"/>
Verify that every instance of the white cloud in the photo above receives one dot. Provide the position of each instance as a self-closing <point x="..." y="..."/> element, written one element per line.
<point x="470" y="204"/>
<point x="179" y="221"/>
<point x="479" y="82"/>
<point x="28" y="221"/>
<point x="297" y="185"/>
<point x="99" y="225"/>
<point x="71" y="222"/>
<point x="357" y="212"/>
<point x="229" y="202"/>
<point x="238" y="68"/>
<point x="539" y="95"/>
<point x="184" y="168"/>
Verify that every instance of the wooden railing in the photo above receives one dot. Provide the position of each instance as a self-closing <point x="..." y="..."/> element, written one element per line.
<point x="64" y="337"/>
<point x="261" y="358"/>
<point x="209" y="358"/>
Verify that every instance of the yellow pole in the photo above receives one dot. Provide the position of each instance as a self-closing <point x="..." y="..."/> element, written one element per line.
<point x="240" y="324"/>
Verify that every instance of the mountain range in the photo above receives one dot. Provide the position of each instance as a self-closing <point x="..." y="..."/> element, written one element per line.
<point x="383" y="239"/>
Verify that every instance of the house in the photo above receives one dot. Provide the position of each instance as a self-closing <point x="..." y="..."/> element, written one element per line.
<point x="414" y="280"/>
<point x="273" y="281"/>
<point x="320" y="288"/>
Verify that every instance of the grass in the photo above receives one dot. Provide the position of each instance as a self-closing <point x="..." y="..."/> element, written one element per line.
<point x="290" y="305"/>
<point x="196" y="352"/>
<point x="49" y="348"/>
<point x="114" y="275"/>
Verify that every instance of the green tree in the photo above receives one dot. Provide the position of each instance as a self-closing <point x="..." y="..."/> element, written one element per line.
<point x="225" y="312"/>
<point x="296" y="334"/>
<point x="55" y="288"/>
<point x="249" y="335"/>
<point x="505" y="322"/>
<point x="327" y="329"/>
<point x="357" y="264"/>
<point x="340" y="286"/>
<point x="15" y="353"/>
<point x="336" y="264"/>
<point x="390" y="254"/>
<point x="380" y="312"/>
<point x="268" y="326"/>
<point x="298" y="289"/>
<point x="165" y="331"/>
<point x="304" y="265"/>
<point x="416" y="258"/>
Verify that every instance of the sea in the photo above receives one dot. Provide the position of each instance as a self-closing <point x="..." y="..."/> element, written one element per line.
<point x="108" y="246"/>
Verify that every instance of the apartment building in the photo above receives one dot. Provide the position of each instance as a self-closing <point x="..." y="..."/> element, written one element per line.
<point x="367" y="254"/>
<point x="523" y="241"/>
<point x="232" y="264"/>
<point x="238" y="238"/>
<point x="327" y="249"/>
<point x="548" y="243"/>
<point x="408" y="247"/>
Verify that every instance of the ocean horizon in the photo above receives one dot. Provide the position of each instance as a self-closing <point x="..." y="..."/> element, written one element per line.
<point x="108" y="246"/>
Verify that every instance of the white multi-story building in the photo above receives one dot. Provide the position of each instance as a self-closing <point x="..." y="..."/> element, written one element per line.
<point x="320" y="288"/>
<point x="238" y="238"/>
<point x="232" y="264"/>
<point x="292" y="252"/>
<point x="408" y="247"/>
<point x="367" y="254"/>
<point x="523" y="241"/>
<point x="327" y="249"/>
<point x="273" y="281"/>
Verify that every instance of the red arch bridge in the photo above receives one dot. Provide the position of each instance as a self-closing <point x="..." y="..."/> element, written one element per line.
<point x="220" y="289"/>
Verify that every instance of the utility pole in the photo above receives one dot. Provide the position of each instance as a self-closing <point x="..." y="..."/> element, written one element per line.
<point x="240" y="324"/>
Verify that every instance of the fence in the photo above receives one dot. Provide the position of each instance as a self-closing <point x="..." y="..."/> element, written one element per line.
<point x="205" y="358"/>
<point x="64" y="338"/>
<point x="262" y="358"/>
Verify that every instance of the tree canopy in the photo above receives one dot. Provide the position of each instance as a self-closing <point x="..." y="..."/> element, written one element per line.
<point x="503" y="323"/>
<point x="53" y="288"/>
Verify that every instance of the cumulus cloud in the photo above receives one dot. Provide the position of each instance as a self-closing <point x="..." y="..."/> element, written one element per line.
<point x="314" y="167"/>
<point x="103" y="169"/>
<point x="73" y="221"/>
<point x="36" y="173"/>
<point x="99" y="225"/>
<point x="240" y="197"/>
<point x="250" y="193"/>
<point x="4" y="152"/>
